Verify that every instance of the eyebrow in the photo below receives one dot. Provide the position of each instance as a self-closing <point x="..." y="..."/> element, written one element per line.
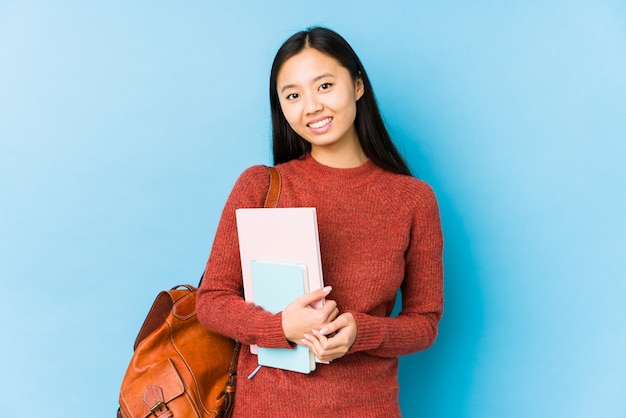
<point x="319" y="77"/>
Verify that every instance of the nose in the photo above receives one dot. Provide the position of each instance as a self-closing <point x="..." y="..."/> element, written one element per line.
<point x="312" y="104"/>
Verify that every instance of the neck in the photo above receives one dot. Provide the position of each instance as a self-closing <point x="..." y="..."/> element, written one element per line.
<point x="348" y="156"/>
<point x="339" y="160"/>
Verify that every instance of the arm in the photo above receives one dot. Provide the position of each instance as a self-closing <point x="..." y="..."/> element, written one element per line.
<point x="415" y="328"/>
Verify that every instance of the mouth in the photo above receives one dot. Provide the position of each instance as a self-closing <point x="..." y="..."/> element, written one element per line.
<point x="319" y="123"/>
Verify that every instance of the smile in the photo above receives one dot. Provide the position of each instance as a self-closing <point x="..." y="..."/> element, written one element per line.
<point x="320" y="123"/>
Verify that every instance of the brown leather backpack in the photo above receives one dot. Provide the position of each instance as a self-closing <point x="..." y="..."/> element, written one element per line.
<point x="179" y="369"/>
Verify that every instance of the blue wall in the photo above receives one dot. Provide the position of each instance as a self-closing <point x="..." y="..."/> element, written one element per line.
<point x="123" y="126"/>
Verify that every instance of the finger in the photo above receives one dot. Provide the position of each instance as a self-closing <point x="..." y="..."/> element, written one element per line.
<point x="331" y="344"/>
<point x="334" y="325"/>
<point x="323" y="351"/>
<point x="317" y="346"/>
<point x="314" y="296"/>
<point x="306" y="340"/>
<point x="311" y="341"/>
<point x="333" y="315"/>
<point x="316" y="340"/>
<point x="329" y="311"/>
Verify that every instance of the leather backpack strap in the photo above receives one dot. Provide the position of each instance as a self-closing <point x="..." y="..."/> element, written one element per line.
<point x="273" y="191"/>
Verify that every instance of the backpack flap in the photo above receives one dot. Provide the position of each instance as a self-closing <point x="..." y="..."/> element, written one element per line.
<point x="159" y="311"/>
<point x="152" y="391"/>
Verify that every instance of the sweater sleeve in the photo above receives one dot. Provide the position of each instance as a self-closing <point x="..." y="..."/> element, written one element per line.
<point x="415" y="328"/>
<point x="220" y="305"/>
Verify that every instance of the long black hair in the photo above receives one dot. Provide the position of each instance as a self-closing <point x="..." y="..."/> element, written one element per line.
<point x="373" y="136"/>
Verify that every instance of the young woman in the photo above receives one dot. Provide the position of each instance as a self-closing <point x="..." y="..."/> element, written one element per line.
<point x="379" y="231"/>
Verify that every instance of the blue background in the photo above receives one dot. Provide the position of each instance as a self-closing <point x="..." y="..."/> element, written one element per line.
<point x="123" y="126"/>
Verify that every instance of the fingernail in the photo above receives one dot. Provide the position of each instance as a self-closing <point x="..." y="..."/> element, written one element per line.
<point x="328" y="289"/>
<point x="306" y="337"/>
<point x="324" y="330"/>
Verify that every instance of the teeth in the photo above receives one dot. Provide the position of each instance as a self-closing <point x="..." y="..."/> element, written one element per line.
<point x="321" y="123"/>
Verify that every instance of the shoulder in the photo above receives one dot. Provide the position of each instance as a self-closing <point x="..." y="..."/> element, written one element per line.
<point x="409" y="195"/>
<point x="408" y="187"/>
<point x="253" y="175"/>
<point x="250" y="187"/>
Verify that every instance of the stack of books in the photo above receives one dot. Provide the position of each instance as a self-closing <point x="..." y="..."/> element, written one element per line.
<point x="280" y="261"/>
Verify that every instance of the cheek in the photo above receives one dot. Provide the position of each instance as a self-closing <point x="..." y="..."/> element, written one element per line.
<point x="345" y="102"/>
<point x="348" y="107"/>
<point x="291" y="115"/>
<point x="284" y="108"/>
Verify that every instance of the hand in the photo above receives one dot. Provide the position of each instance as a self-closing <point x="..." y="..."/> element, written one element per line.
<point x="334" y="340"/>
<point x="300" y="317"/>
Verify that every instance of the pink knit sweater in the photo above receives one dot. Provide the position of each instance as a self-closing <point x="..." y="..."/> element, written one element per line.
<point x="379" y="232"/>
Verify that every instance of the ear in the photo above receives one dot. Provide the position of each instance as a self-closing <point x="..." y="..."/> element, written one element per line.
<point x="359" y="88"/>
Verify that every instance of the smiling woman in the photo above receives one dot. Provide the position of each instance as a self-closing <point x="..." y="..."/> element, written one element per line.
<point x="334" y="51"/>
<point x="318" y="98"/>
<point x="333" y="153"/>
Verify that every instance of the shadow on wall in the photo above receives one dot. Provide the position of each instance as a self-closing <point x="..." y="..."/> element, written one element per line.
<point x="437" y="382"/>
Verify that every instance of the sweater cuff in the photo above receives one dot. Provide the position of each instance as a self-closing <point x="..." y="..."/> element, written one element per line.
<point x="369" y="333"/>
<point x="271" y="335"/>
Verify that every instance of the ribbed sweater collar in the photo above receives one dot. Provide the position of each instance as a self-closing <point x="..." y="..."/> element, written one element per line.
<point x="342" y="177"/>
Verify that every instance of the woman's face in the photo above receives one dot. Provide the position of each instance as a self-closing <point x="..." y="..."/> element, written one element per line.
<point x="318" y="98"/>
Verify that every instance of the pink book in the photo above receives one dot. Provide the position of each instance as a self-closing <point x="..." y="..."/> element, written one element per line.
<point x="287" y="235"/>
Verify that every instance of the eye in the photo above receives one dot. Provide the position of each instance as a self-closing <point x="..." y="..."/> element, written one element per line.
<point x="292" y="96"/>
<point x="325" y="86"/>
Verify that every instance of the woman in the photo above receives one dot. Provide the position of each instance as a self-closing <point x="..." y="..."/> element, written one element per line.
<point x="379" y="231"/>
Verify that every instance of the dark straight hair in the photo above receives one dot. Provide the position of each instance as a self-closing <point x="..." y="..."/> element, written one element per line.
<point x="373" y="136"/>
